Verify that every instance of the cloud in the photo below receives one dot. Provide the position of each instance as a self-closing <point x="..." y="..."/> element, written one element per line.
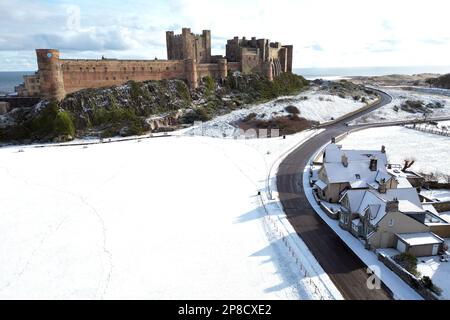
<point x="326" y="33"/>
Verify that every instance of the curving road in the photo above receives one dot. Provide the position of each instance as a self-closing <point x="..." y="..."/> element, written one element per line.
<point x="344" y="268"/>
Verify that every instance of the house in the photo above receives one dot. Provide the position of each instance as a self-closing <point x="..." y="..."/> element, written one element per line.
<point x="377" y="203"/>
<point x="353" y="169"/>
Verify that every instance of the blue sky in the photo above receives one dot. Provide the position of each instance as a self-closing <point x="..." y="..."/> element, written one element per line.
<point x="324" y="33"/>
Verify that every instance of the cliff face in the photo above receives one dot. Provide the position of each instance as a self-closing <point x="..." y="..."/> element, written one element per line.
<point x="138" y="107"/>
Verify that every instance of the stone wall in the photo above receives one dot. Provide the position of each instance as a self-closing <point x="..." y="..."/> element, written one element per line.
<point x="19" y="102"/>
<point x="81" y="74"/>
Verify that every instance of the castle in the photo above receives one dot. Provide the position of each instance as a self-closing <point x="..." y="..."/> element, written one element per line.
<point x="188" y="58"/>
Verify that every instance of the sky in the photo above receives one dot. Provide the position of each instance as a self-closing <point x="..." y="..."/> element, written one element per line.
<point x="326" y="33"/>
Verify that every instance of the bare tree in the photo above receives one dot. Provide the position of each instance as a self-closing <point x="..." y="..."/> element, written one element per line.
<point x="408" y="163"/>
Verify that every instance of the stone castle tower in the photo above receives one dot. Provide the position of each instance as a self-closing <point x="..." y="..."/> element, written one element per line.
<point x="50" y="73"/>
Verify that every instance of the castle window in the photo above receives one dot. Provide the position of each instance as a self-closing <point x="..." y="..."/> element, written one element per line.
<point x="127" y="78"/>
<point x="81" y="69"/>
<point x="134" y="68"/>
<point x="167" y="68"/>
<point x="114" y="78"/>
<point x="124" y="69"/>
<point x="151" y="68"/>
<point x="107" y="78"/>
<point x="142" y="68"/>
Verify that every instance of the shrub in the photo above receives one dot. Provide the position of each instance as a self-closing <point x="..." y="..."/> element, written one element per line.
<point x="136" y="90"/>
<point x="249" y="117"/>
<point x="292" y="110"/>
<point x="210" y="85"/>
<point x="198" y="114"/>
<point x="428" y="283"/>
<point x="407" y="261"/>
<point x="64" y="124"/>
<point x="183" y="91"/>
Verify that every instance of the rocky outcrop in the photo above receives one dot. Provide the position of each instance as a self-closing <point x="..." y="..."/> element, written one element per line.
<point x="440" y="82"/>
<point x="136" y="107"/>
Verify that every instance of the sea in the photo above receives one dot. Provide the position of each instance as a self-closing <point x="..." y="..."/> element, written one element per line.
<point x="8" y="80"/>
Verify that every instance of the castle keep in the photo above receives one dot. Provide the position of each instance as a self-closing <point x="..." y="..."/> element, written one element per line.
<point x="188" y="58"/>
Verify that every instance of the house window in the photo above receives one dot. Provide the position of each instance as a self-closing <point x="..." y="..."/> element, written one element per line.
<point x="391" y="222"/>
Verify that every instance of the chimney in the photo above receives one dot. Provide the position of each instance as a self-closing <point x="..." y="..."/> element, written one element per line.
<point x="382" y="188"/>
<point x="392" y="206"/>
<point x="383" y="149"/>
<point x="373" y="164"/>
<point x="344" y="160"/>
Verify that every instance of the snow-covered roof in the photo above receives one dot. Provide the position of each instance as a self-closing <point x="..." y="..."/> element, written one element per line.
<point x="430" y="208"/>
<point x="356" y="170"/>
<point x="382" y="174"/>
<point x="360" y="200"/>
<point x="445" y="216"/>
<point x="418" y="239"/>
<point x="409" y="194"/>
<point x="354" y="198"/>
<point x="407" y="206"/>
<point x="322" y="185"/>
<point x="334" y="152"/>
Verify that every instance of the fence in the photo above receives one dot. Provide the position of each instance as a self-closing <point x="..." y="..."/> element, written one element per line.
<point x="280" y="232"/>
<point x="437" y="131"/>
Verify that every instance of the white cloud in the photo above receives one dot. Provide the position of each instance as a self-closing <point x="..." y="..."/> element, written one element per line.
<point x="348" y="32"/>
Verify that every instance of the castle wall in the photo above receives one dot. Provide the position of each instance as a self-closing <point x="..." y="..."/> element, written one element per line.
<point x="81" y="74"/>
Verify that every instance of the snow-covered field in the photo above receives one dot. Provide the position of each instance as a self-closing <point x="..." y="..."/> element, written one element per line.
<point x="313" y="104"/>
<point x="431" y="152"/>
<point x="387" y="112"/>
<point x="163" y="218"/>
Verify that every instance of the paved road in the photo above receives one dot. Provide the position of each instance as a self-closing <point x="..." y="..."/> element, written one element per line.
<point x="345" y="269"/>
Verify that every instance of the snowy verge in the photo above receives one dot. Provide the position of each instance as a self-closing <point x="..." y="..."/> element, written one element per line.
<point x="310" y="268"/>
<point x="403" y="143"/>
<point x="399" y="288"/>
